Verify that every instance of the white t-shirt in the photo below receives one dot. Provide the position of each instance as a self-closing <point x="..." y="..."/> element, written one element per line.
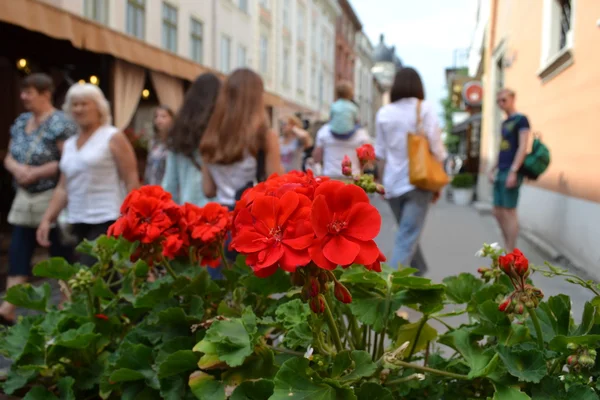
<point x="289" y="154"/>
<point x="233" y="177"/>
<point x="335" y="149"/>
<point x="393" y="123"/>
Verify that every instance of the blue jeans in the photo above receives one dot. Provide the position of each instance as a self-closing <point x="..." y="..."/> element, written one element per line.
<point x="410" y="210"/>
<point x="23" y="244"/>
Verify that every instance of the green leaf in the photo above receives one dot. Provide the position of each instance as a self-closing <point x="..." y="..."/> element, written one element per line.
<point x="359" y="275"/>
<point x="279" y="282"/>
<point x="295" y="380"/>
<point x="481" y="363"/>
<point x="17" y="378"/>
<point x="460" y="288"/>
<point x="178" y="362"/>
<point x="559" y="343"/>
<point x="493" y="321"/>
<point x="39" y="393"/>
<point x="65" y="387"/>
<point x="561" y="310"/>
<point x="174" y="388"/>
<point x="27" y="296"/>
<point x="509" y="393"/>
<point x="253" y="390"/>
<point x="79" y="338"/>
<point x="587" y="320"/>
<point x="152" y="294"/>
<point x="140" y="269"/>
<point x="356" y="364"/>
<point x="419" y="293"/>
<point x="528" y="365"/>
<point x="135" y="362"/>
<point x="294" y="316"/>
<point x="371" y="309"/>
<point x="101" y="289"/>
<point x="372" y="390"/>
<point x="230" y="341"/>
<point x="581" y="392"/>
<point x="408" y="333"/>
<point x="23" y="340"/>
<point x="204" y="387"/>
<point x="55" y="268"/>
<point x="550" y="388"/>
<point x="547" y="320"/>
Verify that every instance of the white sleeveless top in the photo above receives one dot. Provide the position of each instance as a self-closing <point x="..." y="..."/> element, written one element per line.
<point x="94" y="189"/>
<point x="231" y="178"/>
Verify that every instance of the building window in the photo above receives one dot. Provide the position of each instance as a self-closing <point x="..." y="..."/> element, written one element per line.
<point x="169" y="27"/>
<point x="243" y="5"/>
<point x="323" y="39"/>
<point x="313" y="83"/>
<point x="196" y="41"/>
<point x="225" y="53"/>
<point x="285" y="68"/>
<point x="242" y="56"/>
<point x="264" y="4"/>
<point x="301" y="22"/>
<point x="565" y="22"/>
<point x="557" y="36"/>
<point x="313" y="37"/>
<point x="300" y="76"/>
<point x="286" y="9"/>
<point x="97" y="10"/>
<point x="264" y="55"/>
<point x="136" y="16"/>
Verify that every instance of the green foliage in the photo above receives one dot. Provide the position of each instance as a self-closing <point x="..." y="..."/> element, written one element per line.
<point x="463" y="181"/>
<point x="246" y="338"/>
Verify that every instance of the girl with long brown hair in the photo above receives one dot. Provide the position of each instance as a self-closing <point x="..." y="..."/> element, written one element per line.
<point x="238" y="147"/>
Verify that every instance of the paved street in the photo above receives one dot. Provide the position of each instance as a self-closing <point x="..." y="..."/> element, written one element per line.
<point x="452" y="236"/>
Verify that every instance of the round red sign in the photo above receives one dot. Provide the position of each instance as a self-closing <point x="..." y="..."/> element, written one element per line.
<point x="473" y="93"/>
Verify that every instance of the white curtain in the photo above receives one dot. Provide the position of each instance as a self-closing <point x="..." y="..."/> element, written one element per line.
<point x="168" y="89"/>
<point x="128" y="84"/>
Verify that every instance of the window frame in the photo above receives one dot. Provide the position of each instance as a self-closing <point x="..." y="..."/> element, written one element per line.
<point x="169" y="32"/>
<point x="243" y="6"/>
<point x="300" y="23"/>
<point x="195" y="39"/>
<point x="263" y="62"/>
<point x="138" y="7"/>
<point x="241" y="49"/>
<point x="90" y="9"/>
<point x="553" y="58"/>
<point x="225" y="39"/>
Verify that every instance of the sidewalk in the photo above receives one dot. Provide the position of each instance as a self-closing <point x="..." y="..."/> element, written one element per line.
<point x="452" y="236"/>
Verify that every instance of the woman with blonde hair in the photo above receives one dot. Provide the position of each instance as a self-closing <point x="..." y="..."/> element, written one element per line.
<point x="238" y="147"/>
<point x="97" y="169"/>
<point x="293" y="141"/>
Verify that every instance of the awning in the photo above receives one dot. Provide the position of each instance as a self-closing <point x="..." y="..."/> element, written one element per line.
<point x="87" y="35"/>
<point x="462" y="127"/>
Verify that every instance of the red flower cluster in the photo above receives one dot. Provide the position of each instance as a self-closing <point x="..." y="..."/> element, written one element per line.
<point x="164" y="229"/>
<point x="514" y="263"/>
<point x="365" y="153"/>
<point x="293" y="220"/>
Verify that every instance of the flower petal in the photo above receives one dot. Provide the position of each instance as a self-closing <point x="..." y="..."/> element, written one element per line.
<point x="288" y="204"/>
<point x="369" y="253"/>
<point x="340" y="250"/>
<point x="363" y="222"/>
<point x="270" y="256"/>
<point x="265" y="209"/>
<point x="248" y="241"/>
<point x="316" y="254"/>
<point x="320" y="216"/>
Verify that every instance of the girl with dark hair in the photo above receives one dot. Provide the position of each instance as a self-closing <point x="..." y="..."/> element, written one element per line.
<point x="183" y="174"/>
<point x="157" y="155"/>
<point x="239" y="147"/>
<point x="408" y="112"/>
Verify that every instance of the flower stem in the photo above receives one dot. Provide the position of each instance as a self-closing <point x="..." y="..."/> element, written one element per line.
<point x="333" y="328"/>
<point x="425" y="369"/>
<point x="419" y="330"/>
<point x="538" y="328"/>
<point x="224" y="258"/>
<point x="286" y="351"/>
<point x="386" y="317"/>
<point x="169" y="268"/>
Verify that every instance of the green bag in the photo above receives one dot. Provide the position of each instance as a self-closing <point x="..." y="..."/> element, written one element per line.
<point x="536" y="162"/>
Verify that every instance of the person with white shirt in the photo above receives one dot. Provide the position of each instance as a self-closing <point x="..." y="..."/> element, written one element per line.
<point x="97" y="169"/>
<point x="409" y="204"/>
<point x="330" y="150"/>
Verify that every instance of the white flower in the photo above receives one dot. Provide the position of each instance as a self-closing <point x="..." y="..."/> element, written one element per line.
<point x="420" y="377"/>
<point x="309" y="353"/>
<point x="495" y="246"/>
<point x="479" y="253"/>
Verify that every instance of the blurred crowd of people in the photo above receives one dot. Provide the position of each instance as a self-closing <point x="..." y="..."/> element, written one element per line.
<point x="72" y="168"/>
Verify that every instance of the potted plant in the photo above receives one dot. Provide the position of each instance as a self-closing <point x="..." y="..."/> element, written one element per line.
<point x="462" y="189"/>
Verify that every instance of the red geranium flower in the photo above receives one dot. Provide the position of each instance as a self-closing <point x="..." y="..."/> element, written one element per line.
<point x="276" y="232"/>
<point x="345" y="224"/>
<point x="365" y="153"/>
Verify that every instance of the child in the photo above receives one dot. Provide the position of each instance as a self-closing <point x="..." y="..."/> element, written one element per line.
<point x="344" y="113"/>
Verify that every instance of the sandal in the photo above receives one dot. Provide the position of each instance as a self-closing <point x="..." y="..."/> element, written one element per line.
<point x="6" y="322"/>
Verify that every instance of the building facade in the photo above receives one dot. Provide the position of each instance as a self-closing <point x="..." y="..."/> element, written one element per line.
<point x="546" y="51"/>
<point x="294" y="52"/>
<point x="363" y="81"/>
<point x="347" y="28"/>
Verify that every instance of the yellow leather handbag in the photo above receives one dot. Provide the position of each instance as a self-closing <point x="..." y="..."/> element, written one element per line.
<point x="425" y="171"/>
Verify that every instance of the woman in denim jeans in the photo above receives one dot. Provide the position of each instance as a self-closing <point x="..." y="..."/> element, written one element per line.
<point x="409" y="204"/>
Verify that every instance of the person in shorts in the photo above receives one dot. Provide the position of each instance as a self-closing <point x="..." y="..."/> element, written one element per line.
<point x="505" y="174"/>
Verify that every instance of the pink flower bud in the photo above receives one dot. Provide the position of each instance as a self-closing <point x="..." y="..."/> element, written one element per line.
<point x="346" y="162"/>
<point x="317" y="304"/>
<point x="341" y="293"/>
<point x="504" y="305"/>
<point x="347" y="171"/>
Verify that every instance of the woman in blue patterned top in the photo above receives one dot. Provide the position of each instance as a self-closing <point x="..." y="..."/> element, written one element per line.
<point x="36" y="140"/>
